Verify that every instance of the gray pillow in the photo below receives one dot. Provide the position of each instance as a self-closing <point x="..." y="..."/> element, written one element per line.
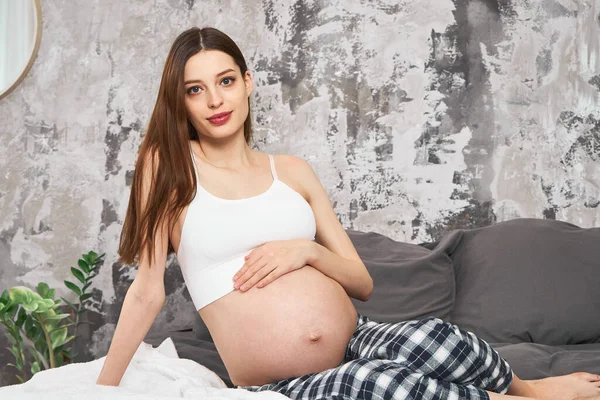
<point x="537" y="361"/>
<point x="529" y="280"/>
<point x="410" y="281"/>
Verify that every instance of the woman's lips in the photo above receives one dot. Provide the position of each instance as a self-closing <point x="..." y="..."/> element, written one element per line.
<point x="220" y="120"/>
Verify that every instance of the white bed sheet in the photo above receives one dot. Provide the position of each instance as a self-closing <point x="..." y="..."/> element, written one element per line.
<point x="154" y="373"/>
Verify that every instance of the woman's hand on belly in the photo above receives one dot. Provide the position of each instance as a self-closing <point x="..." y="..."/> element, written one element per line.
<point x="270" y="261"/>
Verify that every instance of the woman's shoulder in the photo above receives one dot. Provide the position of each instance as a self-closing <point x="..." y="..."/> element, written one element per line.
<point x="290" y="161"/>
<point x="296" y="169"/>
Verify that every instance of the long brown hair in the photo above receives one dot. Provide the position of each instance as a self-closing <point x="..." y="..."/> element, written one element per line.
<point x="166" y="146"/>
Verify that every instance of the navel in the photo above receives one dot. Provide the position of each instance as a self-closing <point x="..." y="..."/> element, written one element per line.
<point x="314" y="336"/>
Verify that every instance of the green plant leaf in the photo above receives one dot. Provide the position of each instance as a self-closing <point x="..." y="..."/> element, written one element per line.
<point x="13" y="365"/>
<point x="4" y="297"/>
<point x="85" y="296"/>
<point x="60" y="360"/>
<point x="31" y="307"/>
<point x="12" y="330"/>
<point x="11" y="311"/>
<point x="78" y="274"/>
<point x="86" y="258"/>
<point x="14" y="351"/>
<point x="22" y="295"/>
<point x="60" y="327"/>
<point x="87" y="285"/>
<point x="58" y="337"/>
<point x="68" y="339"/>
<point x="21" y="317"/>
<point x="68" y="303"/>
<point x="51" y="294"/>
<point x="83" y="264"/>
<point x="42" y="289"/>
<point x="100" y="259"/>
<point x="35" y="368"/>
<point x="57" y="317"/>
<point x="40" y="343"/>
<point x="28" y="322"/>
<point x="73" y="287"/>
<point x="19" y="362"/>
<point x="34" y="354"/>
<point x="46" y="305"/>
<point x="18" y="366"/>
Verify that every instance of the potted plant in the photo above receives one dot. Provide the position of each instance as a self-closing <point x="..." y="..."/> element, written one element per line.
<point x="41" y="328"/>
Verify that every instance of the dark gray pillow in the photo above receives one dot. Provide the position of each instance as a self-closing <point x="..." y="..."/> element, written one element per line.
<point x="410" y="281"/>
<point x="537" y="361"/>
<point x="529" y="280"/>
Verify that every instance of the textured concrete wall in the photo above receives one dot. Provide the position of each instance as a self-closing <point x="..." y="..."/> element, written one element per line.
<point x="418" y="116"/>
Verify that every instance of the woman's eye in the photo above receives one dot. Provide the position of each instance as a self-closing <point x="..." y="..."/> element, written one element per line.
<point x="194" y="89"/>
<point x="231" y="80"/>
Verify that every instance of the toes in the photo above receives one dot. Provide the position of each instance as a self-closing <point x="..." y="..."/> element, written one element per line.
<point x="587" y="376"/>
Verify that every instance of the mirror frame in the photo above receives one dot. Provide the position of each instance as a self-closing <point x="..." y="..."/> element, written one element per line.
<point x="36" y="46"/>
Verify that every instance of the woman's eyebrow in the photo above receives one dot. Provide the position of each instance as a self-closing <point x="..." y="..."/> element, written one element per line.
<point x="218" y="75"/>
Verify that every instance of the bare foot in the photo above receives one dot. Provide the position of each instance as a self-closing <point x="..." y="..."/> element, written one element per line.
<point x="579" y="385"/>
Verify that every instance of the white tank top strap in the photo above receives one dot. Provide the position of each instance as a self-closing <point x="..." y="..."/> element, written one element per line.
<point x="273" y="167"/>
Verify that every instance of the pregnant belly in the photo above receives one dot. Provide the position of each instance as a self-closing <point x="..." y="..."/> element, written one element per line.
<point x="298" y="324"/>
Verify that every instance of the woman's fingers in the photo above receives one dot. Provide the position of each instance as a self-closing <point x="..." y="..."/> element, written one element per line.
<point x="248" y="265"/>
<point x="256" y="277"/>
<point x="268" y="279"/>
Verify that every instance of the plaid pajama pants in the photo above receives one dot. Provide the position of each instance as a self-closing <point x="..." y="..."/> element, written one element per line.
<point x="425" y="359"/>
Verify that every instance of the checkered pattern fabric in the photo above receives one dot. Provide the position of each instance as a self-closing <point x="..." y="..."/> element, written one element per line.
<point x="425" y="359"/>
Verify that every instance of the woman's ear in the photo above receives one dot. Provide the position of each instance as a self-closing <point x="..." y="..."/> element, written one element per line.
<point x="249" y="83"/>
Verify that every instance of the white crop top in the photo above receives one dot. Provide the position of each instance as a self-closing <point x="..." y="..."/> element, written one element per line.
<point x="218" y="233"/>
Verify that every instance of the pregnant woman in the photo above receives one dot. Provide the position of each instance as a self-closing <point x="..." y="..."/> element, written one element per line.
<point x="267" y="263"/>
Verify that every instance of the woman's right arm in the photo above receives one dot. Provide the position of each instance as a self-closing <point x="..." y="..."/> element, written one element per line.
<point x="143" y="301"/>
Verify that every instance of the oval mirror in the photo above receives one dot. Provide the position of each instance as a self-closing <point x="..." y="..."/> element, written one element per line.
<point x="20" y="35"/>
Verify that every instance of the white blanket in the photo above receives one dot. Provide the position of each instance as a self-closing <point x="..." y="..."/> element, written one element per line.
<point x="154" y="373"/>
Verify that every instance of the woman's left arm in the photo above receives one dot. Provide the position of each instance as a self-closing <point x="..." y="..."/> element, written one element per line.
<point x="351" y="274"/>
<point x="332" y="253"/>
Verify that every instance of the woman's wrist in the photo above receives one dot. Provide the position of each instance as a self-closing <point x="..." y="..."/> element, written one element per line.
<point x="312" y="252"/>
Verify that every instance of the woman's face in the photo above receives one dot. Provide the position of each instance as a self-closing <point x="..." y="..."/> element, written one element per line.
<point x="214" y="86"/>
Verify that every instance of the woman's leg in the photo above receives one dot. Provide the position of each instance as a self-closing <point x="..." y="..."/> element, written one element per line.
<point x="435" y="349"/>
<point x="443" y="351"/>
<point x="565" y="387"/>
<point x="372" y="379"/>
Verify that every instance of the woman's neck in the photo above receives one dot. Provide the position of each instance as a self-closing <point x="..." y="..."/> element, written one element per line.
<point x="238" y="156"/>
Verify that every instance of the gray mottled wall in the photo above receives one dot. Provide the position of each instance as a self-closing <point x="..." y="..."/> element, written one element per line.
<point x="418" y="116"/>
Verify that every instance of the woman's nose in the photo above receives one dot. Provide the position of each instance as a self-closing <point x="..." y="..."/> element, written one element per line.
<point x="215" y="100"/>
